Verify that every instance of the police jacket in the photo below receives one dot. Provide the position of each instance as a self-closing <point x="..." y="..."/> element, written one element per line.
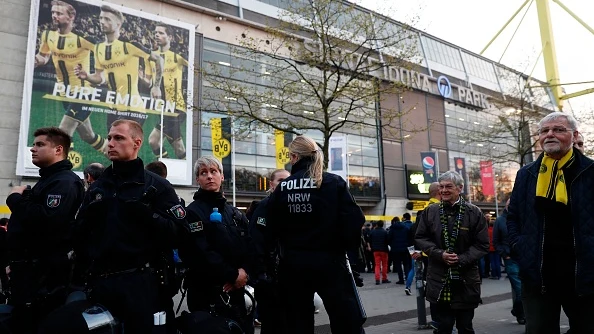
<point x="304" y="217"/>
<point x="42" y="217"/>
<point x="129" y="217"/>
<point x="215" y="251"/>
<point x="525" y="224"/>
<point x="266" y="254"/>
<point x="472" y="244"/>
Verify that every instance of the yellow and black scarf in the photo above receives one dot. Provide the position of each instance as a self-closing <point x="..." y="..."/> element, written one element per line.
<point x="551" y="183"/>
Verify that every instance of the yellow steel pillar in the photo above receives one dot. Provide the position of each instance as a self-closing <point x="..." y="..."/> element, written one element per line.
<point x="548" y="49"/>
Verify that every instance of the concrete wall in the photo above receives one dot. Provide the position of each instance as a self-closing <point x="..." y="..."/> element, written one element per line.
<point x="14" y="28"/>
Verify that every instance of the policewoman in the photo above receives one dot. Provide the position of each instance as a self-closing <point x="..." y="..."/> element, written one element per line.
<point x="219" y="252"/>
<point x="315" y="220"/>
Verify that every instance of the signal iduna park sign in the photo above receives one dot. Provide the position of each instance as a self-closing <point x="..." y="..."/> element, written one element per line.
<point x="414" y="79"/>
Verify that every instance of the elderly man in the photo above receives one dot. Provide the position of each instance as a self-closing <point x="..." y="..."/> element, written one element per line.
<point x="453" y="233"/>
<point x="551" y="230"/>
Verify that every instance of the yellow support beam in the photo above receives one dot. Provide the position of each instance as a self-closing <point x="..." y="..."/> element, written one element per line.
<point x="504" y="26"/>
<point x="580" y="93"/>
<point x="548" y="50"/>
<point x="4" y="210"/>
<point x="574" y="16"/>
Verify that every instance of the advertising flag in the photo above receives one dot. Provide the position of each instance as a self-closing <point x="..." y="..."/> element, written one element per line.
<point x="429" y="169"/>
<point x="337" y="150"/>
<point x="487" y="177"/>
<point x="282" y="152"/>
<point x="90" y="63"/>
<point x="460" y="167"/>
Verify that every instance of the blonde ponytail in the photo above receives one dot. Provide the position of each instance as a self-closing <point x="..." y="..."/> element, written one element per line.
<point x="306" y="147"/>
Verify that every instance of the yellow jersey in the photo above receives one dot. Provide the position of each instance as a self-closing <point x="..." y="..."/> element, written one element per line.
<point x="120" y="62"/>
<point x="171" y="87"/>
<point x="67" y="51"/>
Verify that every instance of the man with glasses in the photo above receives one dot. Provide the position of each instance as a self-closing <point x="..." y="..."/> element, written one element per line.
<point x="453" y="233"/>
<point x="551" y="230"/>
<point x="579" y="143"/>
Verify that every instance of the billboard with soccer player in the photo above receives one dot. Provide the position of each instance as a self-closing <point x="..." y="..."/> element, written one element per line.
<point x="90" y="63"/>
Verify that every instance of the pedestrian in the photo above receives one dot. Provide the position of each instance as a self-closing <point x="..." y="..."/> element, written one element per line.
<point x="398" y="241"/>
<point x="92" y="172"/>
<point x="551" y="230"/>
<point x="157" y="167"/>
<point x="379" y="245"/>
<point x="494" y="258"/>
<point x="39" y="234"/>
<point x="129" y="220"/>
<point x="270" y="313"/>
<point x="316" y="221"/>
<point x="501" y="242"/>
<point x="366" y="232"/>
<point x="219" y="254"/>
<point x="454" y="235"/>
<point x="3" y="259"/>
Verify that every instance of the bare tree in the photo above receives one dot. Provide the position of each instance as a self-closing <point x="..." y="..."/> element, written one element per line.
<point x="508" y="130"/>
<point x="324" y="65"/>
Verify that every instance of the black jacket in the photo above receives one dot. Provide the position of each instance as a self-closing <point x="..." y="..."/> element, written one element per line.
<point x="129" y="217"/>
<point x="215" y="251"/>
<point x="471" y="245"/>
<point x="304" y="217"/>
<point x="525" y="224"/>
<point x="42" y="218"/>
<point x="378" y="240"/>
<point x="257" y="227"/>
<point x="398" y="237"/>
<point x="500" y="236"/>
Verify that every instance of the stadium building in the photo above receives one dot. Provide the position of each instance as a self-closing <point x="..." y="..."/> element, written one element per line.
<point x="454" y="96"/>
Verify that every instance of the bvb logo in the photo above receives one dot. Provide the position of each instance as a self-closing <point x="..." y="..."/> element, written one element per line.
<point x="543" y="169"/>
<point x="75" y="158"/>
<point x="283" y="156"/>
<point x="221" y="148"/>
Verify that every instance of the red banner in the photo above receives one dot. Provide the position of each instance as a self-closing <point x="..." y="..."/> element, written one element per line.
<point x="487" y="177"/>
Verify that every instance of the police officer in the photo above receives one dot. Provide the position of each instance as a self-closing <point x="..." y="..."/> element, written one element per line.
<point x="39" y="233"/>
<point x="270" y="313"/>
<point x="128" y="220"/>
<point x="219" y="254"/>
<point x="316" y="220"/>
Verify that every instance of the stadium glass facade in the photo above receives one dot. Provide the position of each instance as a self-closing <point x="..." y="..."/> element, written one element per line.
<point x="379" y="164"/>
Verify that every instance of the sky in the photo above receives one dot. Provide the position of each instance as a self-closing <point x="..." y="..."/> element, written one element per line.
<point x="471" y="24"/>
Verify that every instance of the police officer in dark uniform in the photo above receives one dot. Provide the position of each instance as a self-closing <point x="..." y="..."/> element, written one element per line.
<point x="129" y="221"/>
<point x="39" y="233"/>
<point x="219" y="254"/>
<point x="270" y="312"/>
<point x="316" y="220"/>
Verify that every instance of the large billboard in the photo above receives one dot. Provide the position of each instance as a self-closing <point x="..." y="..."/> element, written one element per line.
<point x="90" y="63"/>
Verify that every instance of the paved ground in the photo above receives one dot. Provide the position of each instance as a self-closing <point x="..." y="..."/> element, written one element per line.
<point x="390" y="310"/>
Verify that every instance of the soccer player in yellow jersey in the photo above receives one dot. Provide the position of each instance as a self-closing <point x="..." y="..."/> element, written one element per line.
<point x="67" y="50"/>
<point x="117" y="65"/>
<point x="172" y="89"/>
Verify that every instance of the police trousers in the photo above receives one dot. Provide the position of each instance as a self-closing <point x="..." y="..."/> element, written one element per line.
<point x="301" y="274"/>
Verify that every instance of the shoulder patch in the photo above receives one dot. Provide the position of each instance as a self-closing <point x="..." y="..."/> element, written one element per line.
<point x="196" y="226"/>
<point x="261" y="221"/>
<point x="53" y="201"/>
<point x="178" y="211"/>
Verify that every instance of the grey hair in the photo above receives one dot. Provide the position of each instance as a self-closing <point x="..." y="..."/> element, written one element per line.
<point x="556" y="115"/>
<point x="452" y="176"/>
<point x="207" y="161"/>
